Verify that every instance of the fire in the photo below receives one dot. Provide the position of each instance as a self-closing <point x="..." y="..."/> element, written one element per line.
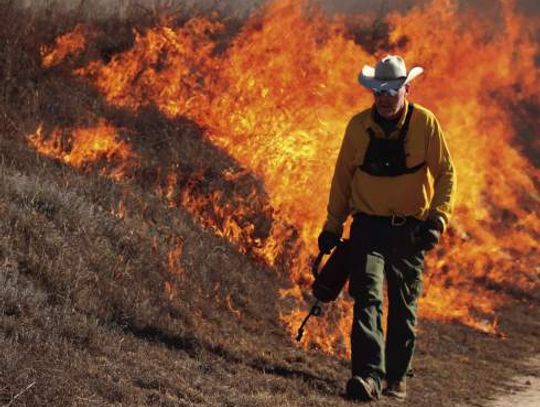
<point x="174" y="267"/>
<point x="178" y="62"/>
<point x="87" y="146"/>
<point x="70" y="44"/>
<point x="224" y="207"/>
<point x="277" y="100"/>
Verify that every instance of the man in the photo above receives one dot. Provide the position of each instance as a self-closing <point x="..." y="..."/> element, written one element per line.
<point x="394" y="175"/>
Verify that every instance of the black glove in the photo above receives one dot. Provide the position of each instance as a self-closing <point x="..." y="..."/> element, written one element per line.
<point x="327" y="241"/>
<point x="426" y="235"/>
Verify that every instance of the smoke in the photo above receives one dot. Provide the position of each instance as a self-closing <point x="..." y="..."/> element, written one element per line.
<point x="121" y="8"/>
<point x="369" y="6"/>
<point x="242" y="8"/>
<point x="358" y="6"/>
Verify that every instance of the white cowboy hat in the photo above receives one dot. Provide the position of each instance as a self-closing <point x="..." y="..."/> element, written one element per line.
<point x="389" y="73"/>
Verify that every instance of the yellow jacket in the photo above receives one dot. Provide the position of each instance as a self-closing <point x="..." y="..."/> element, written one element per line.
<point x="428" y="192"/>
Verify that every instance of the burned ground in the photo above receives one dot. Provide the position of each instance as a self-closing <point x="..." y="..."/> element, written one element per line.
<point x="96" y="310"/>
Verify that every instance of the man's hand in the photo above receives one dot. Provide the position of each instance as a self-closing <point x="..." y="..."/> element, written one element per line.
<point x="327" y="241"/>
<point x="426" y="235"/>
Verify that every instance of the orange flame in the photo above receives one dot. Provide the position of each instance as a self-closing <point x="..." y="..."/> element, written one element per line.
<point x="174" y="257"/>
<point x="88" y="145"/>
<point x="72" y="43"/>
<point x="278" y="99"/>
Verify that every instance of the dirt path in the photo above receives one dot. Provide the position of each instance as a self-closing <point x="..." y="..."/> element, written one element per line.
<point x="524" y="390"/>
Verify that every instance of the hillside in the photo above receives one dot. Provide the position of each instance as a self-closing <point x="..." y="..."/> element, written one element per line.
<point x="87" y="320"/>
<point x="141" y="276"/>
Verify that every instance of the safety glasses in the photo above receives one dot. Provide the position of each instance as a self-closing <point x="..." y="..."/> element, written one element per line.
<point x="386" y="92"/>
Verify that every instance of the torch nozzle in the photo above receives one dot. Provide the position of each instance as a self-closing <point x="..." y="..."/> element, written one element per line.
<point x="315" y="311"/>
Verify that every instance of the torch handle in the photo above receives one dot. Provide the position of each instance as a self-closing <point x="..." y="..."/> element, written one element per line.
<point x="316" y="264"/>
<point x="316" y="308"/>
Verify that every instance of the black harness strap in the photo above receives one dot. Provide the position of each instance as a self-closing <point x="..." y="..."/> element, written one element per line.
<point x="385" y="157"/>
<point x="405" y="127"/>
<point x="403" y="136"/>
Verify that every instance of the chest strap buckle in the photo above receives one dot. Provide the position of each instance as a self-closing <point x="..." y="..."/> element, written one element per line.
<point x="398" y="220"/>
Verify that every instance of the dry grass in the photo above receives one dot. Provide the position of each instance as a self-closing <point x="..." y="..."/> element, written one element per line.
<point x="85" y="318"/>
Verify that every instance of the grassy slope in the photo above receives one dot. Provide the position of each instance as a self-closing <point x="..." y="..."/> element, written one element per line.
<point x="84" y="315"/>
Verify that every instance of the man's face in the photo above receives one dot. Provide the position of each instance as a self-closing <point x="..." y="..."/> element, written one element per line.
<point x="389" y="106"/>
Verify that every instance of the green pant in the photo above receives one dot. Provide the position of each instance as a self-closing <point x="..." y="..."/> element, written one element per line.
<point x="382" y="247"/>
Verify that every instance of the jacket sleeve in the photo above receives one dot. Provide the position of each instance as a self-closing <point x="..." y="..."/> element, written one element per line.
<point x="442" y="169"/>
<point x="340" y="191"/>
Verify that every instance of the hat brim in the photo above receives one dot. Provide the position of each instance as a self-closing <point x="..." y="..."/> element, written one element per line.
<point x="367" y="79"/>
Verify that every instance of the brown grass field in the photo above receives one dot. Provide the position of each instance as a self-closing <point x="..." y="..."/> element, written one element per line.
<point x="85" y="316"/>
